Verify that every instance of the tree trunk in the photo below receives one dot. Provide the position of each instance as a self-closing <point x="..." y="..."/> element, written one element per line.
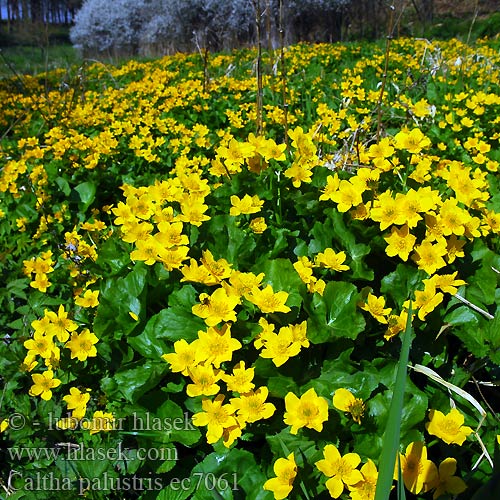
<point x="36" y="10"/>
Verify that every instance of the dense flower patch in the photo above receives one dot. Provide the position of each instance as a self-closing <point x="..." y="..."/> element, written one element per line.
<point x="193" y="310"/>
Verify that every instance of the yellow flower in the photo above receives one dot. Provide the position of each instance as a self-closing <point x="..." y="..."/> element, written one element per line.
<point x="76" y="398"/>
<point x="204" y="381"/>
<point x="446" y="282"/>
<point x="172" y="258"/>
<point x="299" y="172"/>
<point x="412" y="141"/>
<point x="427" y="300"/>
<point x="196" y="273"/>
<point x="375" y="306"/>
<point x="136" y="230"/>
<point x="241" y="379"/>
<point x="280" y="346"/>
<point x="268" y="301"/>
<point x="332" y="186"/>
<point x="89" y="299"/>
<point x="251" y="406"/>
<point x="452" y="218"/>
<point x="266" y="333"/>
<point x="147" y="250"/>
<point x="304" y="268"/>
<point x="236" y="153"/>
<point x="4" y="425"/>
<point x="381" y="150"/>
<point x="448" y="427"/>
<point x="216" y="307"/>
<point x="82" y="345"/>
<point x="286" y="471"/>
<point x="396" y="324"/>
<point x="219" y="269"/>
<point x="309" y="411"/>
<point x="454" y="249"/>
<point x="216" y="417"/>
<point x="77" y="401"/>
<point x="299" y="333"/>
<point x="101" y="421"/>
<point x="387" y="210"/>
<point x="247" y="205"/>
<point x="317" y="286"/>
<point x="418" y="472"/>
<point x="216" y="346"/>
<point x="243" y="283"/>
<point x="258" y="225"/>
<point x="400" y="242"/>
<point x="185" y="356"/>
<point x="43" y="384"/>
<point x="344" y="400"/>
<point x="170" y="234"/>
<point x="39" y="345"/>
<point x="302" y="142"/>
<point x="60" y="325"/>
<point x="429" y="257"/>
<point x="347" y="196"/>
<point x="331" y="260"/>
<point x="193" y="210"/>
<point x="341" y="470"/>
<point x="446" y="481"/>
<point x="365" y="489"/>
<point x="41" y="282"/>
<point x="270" y="150"/>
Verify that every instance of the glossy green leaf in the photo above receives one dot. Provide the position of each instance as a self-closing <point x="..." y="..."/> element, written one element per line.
<point x="335" y="314"/>
<point x="281" y="275"/>
<point x="134" y="381"/>
<point x="87" y="193"/>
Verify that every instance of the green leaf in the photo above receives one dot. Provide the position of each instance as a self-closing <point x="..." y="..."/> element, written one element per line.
<point x="294" y="443"/>
<point x="179" y="426"/>
<point x="185" y="297"/>
<point x="401" y="282"/>
<point x="469" y="326"/>
<point x="392" y="434"/>
<point x="63" y="186"/>
<point x="230" y="241"/>
<point x="86" y="192"/>
<point x="489" y="490"/>
<point x="174" y="323"/>
<point x="281" y="275"/>
<point x="481" y="287"/>
<point x="120" y="296"/>
<point x="134" y="382"/>
<point x="279" y="387"/>
<point x="147" y="343"/>
<point x="334" y="233"/>
<point x="492" y="333"/>
<point x="176" y="490"/>
<point x="113" y="256"/>
<point x="229" y="472"/>
<point x="339" y="373"/>
<point x="335" y="314"/>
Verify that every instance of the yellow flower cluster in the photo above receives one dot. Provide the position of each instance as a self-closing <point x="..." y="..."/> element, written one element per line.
<point x="40" y="267"/>
<point x="328" y="259"/>
<point x="55" y="326"/>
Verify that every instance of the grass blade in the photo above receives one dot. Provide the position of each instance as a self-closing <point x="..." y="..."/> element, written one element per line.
<point x="390" y="444"/>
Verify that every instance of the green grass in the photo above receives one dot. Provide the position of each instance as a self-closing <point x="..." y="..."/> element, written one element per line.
<point x="31" y="60"/>
<point x="450" y="27"/>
